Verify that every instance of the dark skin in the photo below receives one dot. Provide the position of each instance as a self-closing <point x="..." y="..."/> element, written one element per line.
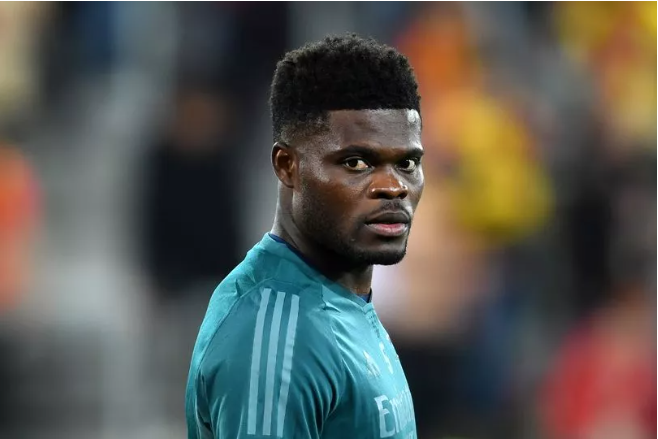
<point x="338" y="188"/>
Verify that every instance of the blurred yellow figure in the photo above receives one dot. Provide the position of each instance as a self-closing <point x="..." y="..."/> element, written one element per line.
<point x="499" y="189"/>
<point x="615" y="42"/>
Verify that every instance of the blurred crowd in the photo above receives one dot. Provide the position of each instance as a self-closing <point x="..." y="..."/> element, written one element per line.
<point x="134" y="175"/>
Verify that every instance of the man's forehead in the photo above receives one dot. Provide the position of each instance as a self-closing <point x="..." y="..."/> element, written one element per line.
<point x="374" y="118"/>
<point x="399" y="126"/>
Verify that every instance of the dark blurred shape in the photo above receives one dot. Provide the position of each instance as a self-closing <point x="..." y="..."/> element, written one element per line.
<point x="191" y="206"/>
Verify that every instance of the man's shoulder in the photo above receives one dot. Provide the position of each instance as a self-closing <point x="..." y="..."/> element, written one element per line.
<point x="270" y="316"/>
<point x="250" y="288"/>
<point x="272" y="299"/>
<point x="261" y="265"/>
<point x="266" y="294"/>
<point x="265" y="271"/>
<point x="276" y="341"/>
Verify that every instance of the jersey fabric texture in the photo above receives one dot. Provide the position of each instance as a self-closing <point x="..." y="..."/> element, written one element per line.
<point x="283" y="352"/>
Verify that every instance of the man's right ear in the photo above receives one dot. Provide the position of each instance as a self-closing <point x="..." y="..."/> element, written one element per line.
<point x="284" y="161"/>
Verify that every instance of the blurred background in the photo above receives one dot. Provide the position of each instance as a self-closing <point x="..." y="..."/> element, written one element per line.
<point x="134" y="174"/>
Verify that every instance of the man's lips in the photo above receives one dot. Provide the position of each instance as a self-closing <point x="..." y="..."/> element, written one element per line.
<point x="392" y="230"/>
<point x="390" y="217"/>
<point x="389" y="223"/>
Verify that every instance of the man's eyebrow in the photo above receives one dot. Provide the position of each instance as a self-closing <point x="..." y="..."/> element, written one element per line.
<point x="416" y="152"/>
<point x="369" y="152"/>
<point x="358" y="150"/>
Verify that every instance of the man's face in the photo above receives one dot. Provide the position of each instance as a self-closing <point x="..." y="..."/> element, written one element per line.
<point x="360" y="183"/>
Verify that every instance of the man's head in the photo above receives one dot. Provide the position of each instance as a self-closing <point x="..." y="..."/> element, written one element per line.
<point x="347" y="150"/>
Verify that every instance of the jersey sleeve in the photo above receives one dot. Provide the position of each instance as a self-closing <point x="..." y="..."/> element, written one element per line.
<point x="273" y="370"/>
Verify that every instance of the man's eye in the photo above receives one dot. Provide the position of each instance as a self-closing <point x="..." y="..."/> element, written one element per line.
<point x="409" y="165"/>
<point x="356" y="164"/>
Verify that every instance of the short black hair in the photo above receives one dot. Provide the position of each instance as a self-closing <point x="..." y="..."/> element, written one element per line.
<point x="338" y="73"/>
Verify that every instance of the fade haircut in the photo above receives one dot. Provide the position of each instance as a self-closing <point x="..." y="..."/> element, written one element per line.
<point x="338" y="73"/>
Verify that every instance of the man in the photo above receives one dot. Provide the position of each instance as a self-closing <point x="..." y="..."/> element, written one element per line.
<point x="291" y="346"/>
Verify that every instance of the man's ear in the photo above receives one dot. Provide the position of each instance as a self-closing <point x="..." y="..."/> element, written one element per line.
<point x="284" y="161"/>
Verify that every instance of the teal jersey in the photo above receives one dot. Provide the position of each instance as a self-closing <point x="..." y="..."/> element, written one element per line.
<point x="283" y="352"/>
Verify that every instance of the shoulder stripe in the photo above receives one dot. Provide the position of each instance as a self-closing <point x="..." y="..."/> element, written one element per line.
<point x="287" y="364"/>
<point x="271" y="362"/>
<point x="255" y="361"/>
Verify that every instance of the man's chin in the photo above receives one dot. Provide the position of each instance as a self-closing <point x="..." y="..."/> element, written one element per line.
<point x="388" y="259"/>
<point x="381" y="257"/>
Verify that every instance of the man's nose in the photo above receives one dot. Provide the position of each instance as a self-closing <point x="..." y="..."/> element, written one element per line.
<point x="387" y="185"/>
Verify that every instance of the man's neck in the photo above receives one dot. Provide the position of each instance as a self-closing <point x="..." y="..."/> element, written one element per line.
<point x="355" y="279"/>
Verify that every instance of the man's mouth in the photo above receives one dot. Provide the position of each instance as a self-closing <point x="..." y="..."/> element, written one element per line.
<point x="390" y="224"/>
<point x="392" y="230"/>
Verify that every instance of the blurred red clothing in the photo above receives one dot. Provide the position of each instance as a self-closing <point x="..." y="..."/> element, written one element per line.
<point x="18" y="215"/>
<point x="604" y="382"/>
